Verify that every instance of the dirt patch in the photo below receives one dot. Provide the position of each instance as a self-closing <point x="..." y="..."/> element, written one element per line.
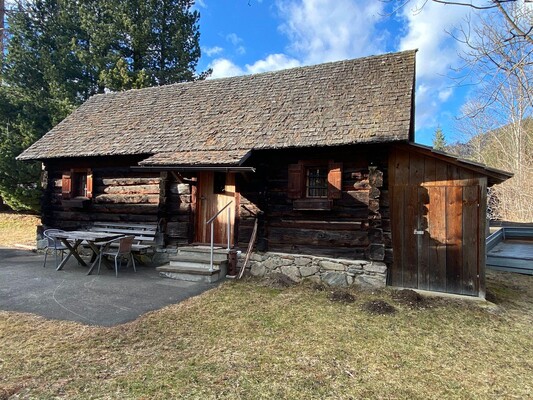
<point x="341" y="296"/>
<point x="9" y="390"/>
<point x="317" y="286"/>
<point x="409" y="298"/>
<point x="276" y="280"/>
<point x="378" y="307"/>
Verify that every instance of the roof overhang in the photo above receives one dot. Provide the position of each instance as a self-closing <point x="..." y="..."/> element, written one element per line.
<point x="201" y="160"/>
<point x="197" y="159"/>
<point x="494" y="176"/>
<point x="192" y="168"/>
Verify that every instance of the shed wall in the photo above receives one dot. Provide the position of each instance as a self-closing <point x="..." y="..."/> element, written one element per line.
<point x="438" y="224"/>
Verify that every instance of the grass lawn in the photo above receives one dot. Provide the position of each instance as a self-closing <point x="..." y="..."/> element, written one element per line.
<point x="245" y="340"/>
<point x="18" y="229"/>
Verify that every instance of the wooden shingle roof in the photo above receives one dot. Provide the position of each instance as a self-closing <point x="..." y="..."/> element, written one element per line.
<point x="355" y="101"/>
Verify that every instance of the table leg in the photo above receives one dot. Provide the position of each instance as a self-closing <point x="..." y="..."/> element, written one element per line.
<point x="96" y="251"/>
<point x="73" y="250"/>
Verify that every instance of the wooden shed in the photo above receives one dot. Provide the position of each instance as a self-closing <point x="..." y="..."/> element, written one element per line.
<point x="322" y="158"/>
<point x="438" y="220"/>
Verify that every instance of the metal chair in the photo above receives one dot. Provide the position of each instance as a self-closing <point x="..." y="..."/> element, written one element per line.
<point x="53" y="244"/>
<point x="123" y="250"/>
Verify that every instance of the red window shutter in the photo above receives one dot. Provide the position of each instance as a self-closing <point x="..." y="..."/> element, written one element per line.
<point x="66" y="185"/>
<point x="296" y="181"/>
<point x="334" y="180"/>
<point x="89" y="183"/>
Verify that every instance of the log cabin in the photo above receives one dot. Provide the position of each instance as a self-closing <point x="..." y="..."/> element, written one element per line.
<point x="322" y="157"/>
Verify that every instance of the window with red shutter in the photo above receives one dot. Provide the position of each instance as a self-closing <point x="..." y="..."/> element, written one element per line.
<point x="66" y="185"/>
<point x="314" y="184"/>
<point x="77" y="183"/>
<point x="296" y="181"/>
<point x="334" y="180"/>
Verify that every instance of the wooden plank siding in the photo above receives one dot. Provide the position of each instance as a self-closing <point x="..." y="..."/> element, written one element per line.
<point x="437" y="237"/>
<point x="454" y="238"/>
<point x="471" y="238"/>
<point x="437" y="224"/>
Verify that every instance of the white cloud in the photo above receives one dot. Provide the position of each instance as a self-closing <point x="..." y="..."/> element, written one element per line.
<point x="445" y="94"/>
<point x="273" y="62"/>
<point x="323" y="30"/>
<point x="212" y="51"/>
<point x="223" y="67"/>
<point x="236" y="41"/>
<point x="427" y="28"/>
<point x="201" y="3"/>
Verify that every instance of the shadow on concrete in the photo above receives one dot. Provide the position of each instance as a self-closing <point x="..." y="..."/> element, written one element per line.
<point x="69" y="294"/>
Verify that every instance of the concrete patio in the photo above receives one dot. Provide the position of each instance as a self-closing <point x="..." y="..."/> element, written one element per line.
<point x="69" y="294"/>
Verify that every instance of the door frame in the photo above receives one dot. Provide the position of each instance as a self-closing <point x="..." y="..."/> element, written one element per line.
<point x="209" y="202"/>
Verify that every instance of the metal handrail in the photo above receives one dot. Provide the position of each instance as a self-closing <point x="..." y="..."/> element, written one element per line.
<point x="210" y="222"/>
<point x="216" y="215"/>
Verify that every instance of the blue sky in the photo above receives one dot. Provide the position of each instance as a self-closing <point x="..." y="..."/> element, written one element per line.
<point x="250" y="36"/>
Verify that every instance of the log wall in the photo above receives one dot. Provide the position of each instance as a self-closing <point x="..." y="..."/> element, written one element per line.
<point x="357" y="226"/>
<point x="120" y="194"/>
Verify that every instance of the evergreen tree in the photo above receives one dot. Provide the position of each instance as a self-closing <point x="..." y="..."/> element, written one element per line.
<point x="61" y="52"/>
<point x="439" y="141"/>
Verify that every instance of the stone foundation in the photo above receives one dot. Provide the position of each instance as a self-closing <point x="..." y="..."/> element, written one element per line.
<point x="331" y="271"/>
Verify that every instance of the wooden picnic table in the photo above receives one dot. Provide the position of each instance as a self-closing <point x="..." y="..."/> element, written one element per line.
<point x="73" y="239"/>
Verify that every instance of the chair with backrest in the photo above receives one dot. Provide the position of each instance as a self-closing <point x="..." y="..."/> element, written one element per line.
<point x="53" y="244"/>
<point x="123" y="250"/>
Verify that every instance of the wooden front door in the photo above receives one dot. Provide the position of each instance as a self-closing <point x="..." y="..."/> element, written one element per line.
<point x="215" y="190"/>
<point x="436" y="232"/>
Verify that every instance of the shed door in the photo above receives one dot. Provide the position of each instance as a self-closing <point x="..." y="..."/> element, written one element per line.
<point x="215" y="191"/>
<point x="436" y="233"/>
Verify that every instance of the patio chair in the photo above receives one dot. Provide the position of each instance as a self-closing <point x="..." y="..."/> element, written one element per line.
<point x="53" y="244"/>
<point x="123" y="250"/>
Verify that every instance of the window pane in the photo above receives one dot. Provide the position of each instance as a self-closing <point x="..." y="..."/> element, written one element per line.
<point x="317" y="182"/>
<point x="80" y="185"/>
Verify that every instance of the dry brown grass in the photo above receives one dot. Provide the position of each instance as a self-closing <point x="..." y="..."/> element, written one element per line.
<point x="248" y="341"/>
<point x="17" y="229"/>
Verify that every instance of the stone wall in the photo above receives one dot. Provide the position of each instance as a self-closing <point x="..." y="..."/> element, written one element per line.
<point x="332" y="271"/>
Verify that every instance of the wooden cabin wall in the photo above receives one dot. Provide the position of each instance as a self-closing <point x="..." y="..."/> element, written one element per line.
<point x="356" y="227"/>
<point x="119" y="194"/>
<point x="123" y="195"/>
<point x="178" y="205"/>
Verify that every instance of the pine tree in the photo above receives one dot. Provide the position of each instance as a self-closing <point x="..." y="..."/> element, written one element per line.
<point x="439" y="140"/>
<point x="61" y="52"/>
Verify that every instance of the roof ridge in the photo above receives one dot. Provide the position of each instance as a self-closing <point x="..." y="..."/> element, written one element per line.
<point x="265" y="73"/>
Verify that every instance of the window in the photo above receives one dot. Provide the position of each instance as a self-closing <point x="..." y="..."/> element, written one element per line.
<point x="314" y="184"/>
<point x="317" y="182"/>
<point x="77" y="183"/>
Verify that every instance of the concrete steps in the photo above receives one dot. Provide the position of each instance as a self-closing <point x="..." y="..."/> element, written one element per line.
<point x="193" y="264"/>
